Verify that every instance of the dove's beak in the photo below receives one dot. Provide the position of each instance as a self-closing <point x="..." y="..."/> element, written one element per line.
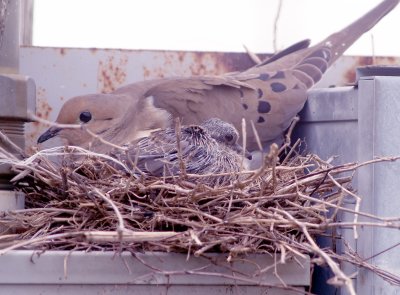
<point x="50" y="133"/>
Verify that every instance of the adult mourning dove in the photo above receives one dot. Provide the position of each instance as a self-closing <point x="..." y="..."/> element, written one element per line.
<point x="269" y="94"/>
<point x="209" y="149"/>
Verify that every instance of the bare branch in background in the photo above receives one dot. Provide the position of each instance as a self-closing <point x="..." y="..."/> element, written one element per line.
<point x="373" y="49"/>
<point x="275" y="32"/>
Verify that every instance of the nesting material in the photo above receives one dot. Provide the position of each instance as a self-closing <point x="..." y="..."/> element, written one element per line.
<point x="78" y="200"/>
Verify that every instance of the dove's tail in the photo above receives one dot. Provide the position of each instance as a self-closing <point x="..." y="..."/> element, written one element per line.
<point x="309" y="64"/>
<point x="340" y="41"/>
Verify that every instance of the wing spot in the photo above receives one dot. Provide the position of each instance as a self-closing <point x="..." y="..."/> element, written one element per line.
<point x="263" y="107"/>
<point x="260" y="120"/>
<point x="264" y="77"/>
<point x="278" y="87"/>
<point x="245" y="106"/>
<point x="260" y="92"/>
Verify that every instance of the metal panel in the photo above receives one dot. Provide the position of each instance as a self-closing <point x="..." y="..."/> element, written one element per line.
<point x="329" y="123"/>
<point x="9" y="36"/>
<point x="97" y="289"/>
<point x="85" y="273"/>
<point x="378" y="184"/>
<point x="329" y="128"/>
<point x="17" y="93"/>
<point x="358" y="124"/>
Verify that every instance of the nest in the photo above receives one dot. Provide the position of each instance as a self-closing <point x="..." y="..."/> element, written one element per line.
<point x="78" y="200"/>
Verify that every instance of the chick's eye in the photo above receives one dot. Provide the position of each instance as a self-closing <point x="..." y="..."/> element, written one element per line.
<point x="85" y="117"/>
<point x="229" y="137"/>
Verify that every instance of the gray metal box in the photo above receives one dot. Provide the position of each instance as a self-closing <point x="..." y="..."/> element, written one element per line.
<point x="358" y="124"/>
<point x="77" y="272"/>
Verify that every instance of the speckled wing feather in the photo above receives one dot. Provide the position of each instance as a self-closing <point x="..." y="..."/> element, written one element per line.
<point x="157" y="154"/>
<point x="269" y="94"/>
<point x="152" y="150"/>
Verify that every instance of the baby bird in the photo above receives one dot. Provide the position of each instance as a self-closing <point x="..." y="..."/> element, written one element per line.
<point x="207" y="149"/>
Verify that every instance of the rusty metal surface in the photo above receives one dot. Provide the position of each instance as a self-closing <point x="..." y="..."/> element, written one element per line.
<point x="61" y="73"/>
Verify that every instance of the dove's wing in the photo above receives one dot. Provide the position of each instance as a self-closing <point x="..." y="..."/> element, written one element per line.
<point x="269" y="94"/>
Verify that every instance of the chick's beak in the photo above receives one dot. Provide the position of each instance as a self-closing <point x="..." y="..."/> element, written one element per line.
<point x="238" y="148"/>
<point x="50" y="133"/>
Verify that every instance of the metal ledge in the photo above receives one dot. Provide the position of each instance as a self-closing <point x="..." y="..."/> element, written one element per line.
<point x="50" y="271"/>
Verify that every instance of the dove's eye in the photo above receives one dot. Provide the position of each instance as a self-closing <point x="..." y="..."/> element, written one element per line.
<point x="229" y="138"/>
<point x="85" y="117"/>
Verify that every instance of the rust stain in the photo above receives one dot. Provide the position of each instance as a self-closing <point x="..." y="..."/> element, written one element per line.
<point x="197" y="63"/>
<point x="349" y="76"/>
<point x="181" y="56"/>
<point x="169" y="58"/>
<point x="157" y="72"/>
<point x="93" y="50"/>
<point x="35" y="129"/>
<point x="390" y="60"/>
<point x="31" y="137"/>
<point x="43" y="109"/>
<point x="30" y="147"/>
<point x="146" y="72"/>
<point x="221" y="62"/>
<point x="205" y="63"/>
<point x="111" y="74"/>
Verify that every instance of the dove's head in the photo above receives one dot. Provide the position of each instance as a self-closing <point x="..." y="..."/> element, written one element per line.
<point x="117" y="118"/>
<point x="97" y="113"/>
<point x="226" y="134"/>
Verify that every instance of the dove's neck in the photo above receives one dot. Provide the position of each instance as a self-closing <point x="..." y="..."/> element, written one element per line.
<point x="141" y="118"/>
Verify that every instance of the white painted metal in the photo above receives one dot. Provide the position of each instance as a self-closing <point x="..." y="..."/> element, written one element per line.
<point x="76" y="272"/>
<point x="359" y="124"/>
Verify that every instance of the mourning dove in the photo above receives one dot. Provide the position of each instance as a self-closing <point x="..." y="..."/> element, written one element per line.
<point x="210" y="148"/>
<point x="269" y="94"/>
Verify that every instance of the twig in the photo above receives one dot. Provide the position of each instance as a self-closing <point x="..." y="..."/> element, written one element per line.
<point x="340" y="278"/>
<point x="252" y="55"/>
<point x="121" y="226"/>
<point x="9" y="145"/>
<point x="276" y="20"/>
<point x="127" y="236"/>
